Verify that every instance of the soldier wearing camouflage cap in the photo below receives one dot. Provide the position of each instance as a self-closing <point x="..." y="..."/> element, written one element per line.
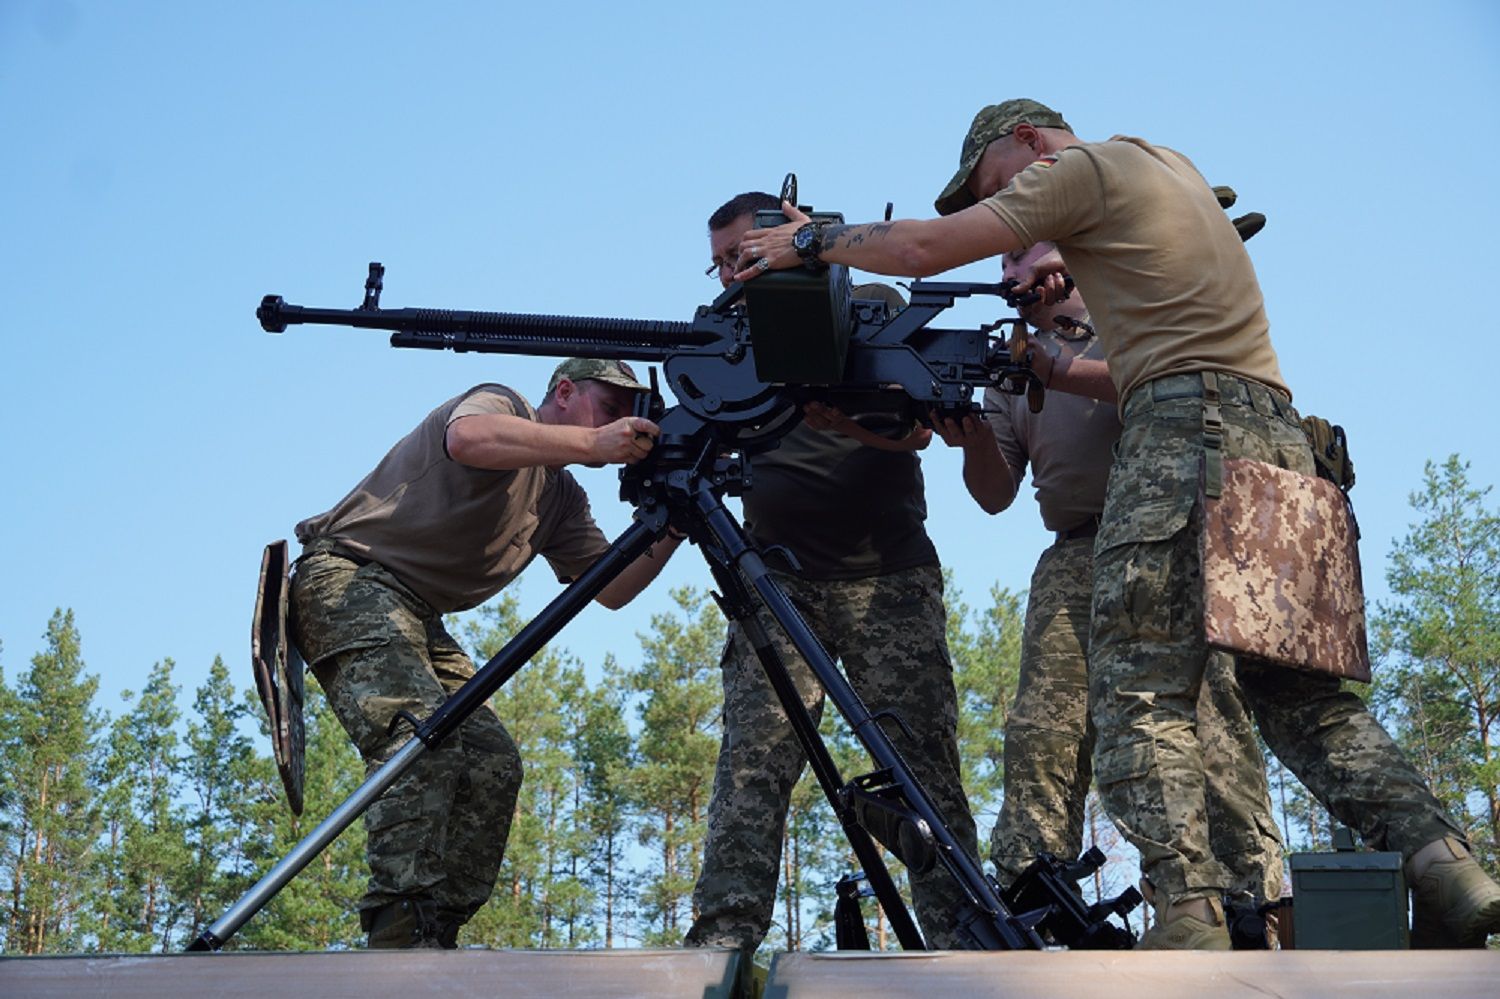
<point x="587" y="369"/>
<point x="994" y="121"/>
<point x="1180" y="314"/>
<point x="1049" y="739"/>
<point x="448" y="517"/>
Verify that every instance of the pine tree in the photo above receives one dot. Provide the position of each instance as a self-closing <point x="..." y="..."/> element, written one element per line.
<point x="678" y="744"/>
<point x="10" y="803"/>
<point x="1439" y="643"/>
<point x="986" y="669"/>
<point x="144" y="848"/>
<point x="316" y="909"/>
<point x="51" y="815"/>
<point x="541" y="896"/>
<point x="219" y="792"/>
<point x="605" y="752"/>
<point x="813" y="852"/>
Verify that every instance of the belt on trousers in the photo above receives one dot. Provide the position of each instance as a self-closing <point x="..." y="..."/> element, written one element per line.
<point x="328" y="546"/>
<point x="1233" y="391"/>
<point x="1087" y="529"/>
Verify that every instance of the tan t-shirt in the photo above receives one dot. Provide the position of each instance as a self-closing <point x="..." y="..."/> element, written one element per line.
<point x="1164" y="272"/>
<point x="455" y="534"/>
<point x="1067" y="444"/>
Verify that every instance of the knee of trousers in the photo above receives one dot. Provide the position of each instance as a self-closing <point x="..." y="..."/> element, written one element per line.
<point x="491" y="758"/>
<point x="1037" y="754"/>
<point x="1157" y="799"/>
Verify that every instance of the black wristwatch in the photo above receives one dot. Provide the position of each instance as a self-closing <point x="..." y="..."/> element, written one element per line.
<point x="808" y="242"/>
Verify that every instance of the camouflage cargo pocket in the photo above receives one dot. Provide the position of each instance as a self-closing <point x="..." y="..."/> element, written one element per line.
<point x="1130" y="761"/>
<point x="406" y="835"/>
<point x="339" y="607"/>
<point x="1145" y="571"/>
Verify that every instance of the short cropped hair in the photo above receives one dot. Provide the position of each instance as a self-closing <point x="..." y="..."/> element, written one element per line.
<point x="742" y="204"/>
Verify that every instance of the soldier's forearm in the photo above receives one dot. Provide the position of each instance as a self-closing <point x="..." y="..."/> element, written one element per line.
<point x="1083" y="376"/>
<point x="638" y="575"/>
<point x="919" y="248"/>
<point x="499" y="442"/>
<point x="988" y="477"/>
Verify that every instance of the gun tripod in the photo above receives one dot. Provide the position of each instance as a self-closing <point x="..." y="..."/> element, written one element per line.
<point x="683" y="484"/>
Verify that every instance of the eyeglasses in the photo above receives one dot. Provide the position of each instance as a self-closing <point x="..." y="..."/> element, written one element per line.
<point x="730" y="257"/>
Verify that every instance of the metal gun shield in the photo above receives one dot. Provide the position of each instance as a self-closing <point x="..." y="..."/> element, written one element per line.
<point x="278" y="669"/>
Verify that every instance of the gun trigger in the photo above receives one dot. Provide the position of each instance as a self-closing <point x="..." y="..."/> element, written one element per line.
<point x="403" y="716"/>
<point x="785" y="554"/>
<point x="893" y="716"/>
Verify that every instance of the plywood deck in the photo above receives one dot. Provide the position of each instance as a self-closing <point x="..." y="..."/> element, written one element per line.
<point x="1307" y="974"/>
<point x="690" y="974"/>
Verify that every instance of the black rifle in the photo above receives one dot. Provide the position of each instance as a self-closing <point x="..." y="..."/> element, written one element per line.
<point x="730" y="405"/>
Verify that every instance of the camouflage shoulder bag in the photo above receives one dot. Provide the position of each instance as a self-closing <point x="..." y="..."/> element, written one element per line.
<point x="278" y="669"/>
<point x="1281" y="572"/>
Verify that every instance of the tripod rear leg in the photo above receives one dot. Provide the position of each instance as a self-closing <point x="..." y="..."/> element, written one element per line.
<point x="738" y="605"/>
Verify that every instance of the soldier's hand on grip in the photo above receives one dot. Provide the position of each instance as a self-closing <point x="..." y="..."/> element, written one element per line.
<point x="962" y="432"/>
<point x="625" y="441"/>
<point x="1049" y="277"/>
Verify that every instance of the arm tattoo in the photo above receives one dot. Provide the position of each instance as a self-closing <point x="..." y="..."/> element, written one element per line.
<point x="853" y="235"/>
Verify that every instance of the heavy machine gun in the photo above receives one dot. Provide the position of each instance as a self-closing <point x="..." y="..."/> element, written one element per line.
<point x="741" y="370"/>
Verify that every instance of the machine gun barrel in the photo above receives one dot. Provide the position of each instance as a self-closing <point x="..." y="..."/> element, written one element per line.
<point x="502" y="332"/>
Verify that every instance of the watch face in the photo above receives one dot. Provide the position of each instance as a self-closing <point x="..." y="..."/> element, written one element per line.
<point x="802" y="239"/>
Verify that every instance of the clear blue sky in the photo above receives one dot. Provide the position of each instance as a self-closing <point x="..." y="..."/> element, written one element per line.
<point x="166" y="164"/>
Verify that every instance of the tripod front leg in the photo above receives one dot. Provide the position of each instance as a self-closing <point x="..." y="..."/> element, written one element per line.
<point x="985" y="919"/>
<point x="738" y="604"/>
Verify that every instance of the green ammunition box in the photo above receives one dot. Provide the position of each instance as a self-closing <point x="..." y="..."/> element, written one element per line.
<point x="1350" y="899"/>
<point x="799" y="325"/>
<point x="800" y="319"/>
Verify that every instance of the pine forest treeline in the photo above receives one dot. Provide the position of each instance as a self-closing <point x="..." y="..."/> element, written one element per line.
<point x="132" y="832"/>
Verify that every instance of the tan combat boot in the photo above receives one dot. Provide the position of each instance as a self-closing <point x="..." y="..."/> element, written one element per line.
<point x="1454" y="902"/>
<point x="1190" y="924"/>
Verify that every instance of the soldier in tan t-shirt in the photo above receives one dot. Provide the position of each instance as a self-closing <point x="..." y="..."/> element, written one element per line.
<point x="1049" y="739"/>
<point x="1182" y="321"/>
<point x="449" y="516"/>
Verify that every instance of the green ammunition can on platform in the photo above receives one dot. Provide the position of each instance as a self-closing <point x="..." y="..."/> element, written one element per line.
<point x="1349" y="899"/>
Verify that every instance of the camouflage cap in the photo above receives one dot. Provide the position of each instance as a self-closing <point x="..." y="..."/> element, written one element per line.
<point x="992" y="122"/>
<point x="580" y="369"/>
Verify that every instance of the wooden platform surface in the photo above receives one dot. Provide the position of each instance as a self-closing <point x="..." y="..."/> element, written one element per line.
<point x="1307" y="974"/>
<point x="407" y="974"/>
<point x="701" y="974"/>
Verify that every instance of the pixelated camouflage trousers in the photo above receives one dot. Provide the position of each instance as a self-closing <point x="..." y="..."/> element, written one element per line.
<point x="377" y="648"/>
<point x="1049" y="741"/>
<point x="889" y="632"/>
<point x="1148" y="654"/>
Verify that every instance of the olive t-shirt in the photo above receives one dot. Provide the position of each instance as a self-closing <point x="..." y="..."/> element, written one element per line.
<point x="1165" y="274"/>
<point x="1067" y="444"/>
<point x="455" y="534"/>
